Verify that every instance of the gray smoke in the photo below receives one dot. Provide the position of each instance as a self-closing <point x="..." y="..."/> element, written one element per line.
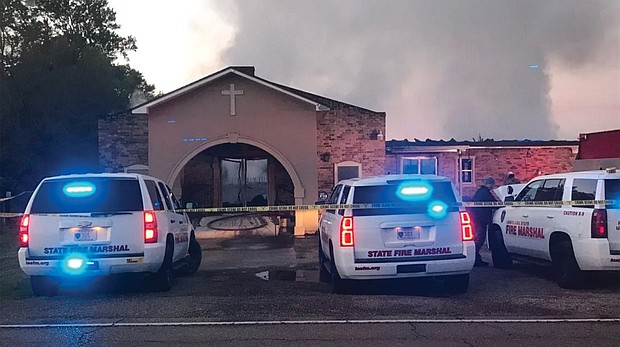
<point x="442" y="68"/>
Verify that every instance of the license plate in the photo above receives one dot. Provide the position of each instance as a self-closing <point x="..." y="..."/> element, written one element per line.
<point x="408" y="233"/>
<point x="85" y="235"/>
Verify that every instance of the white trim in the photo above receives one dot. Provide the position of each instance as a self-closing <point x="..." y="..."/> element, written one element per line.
<point x="144" y="108"/>
<point x="346" y="163"/>
<point x="317" y="321"/>
<point x="418" y="157"/>
<point x="473" y="170"/>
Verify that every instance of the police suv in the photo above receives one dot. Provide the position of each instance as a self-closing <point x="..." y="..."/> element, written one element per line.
<point x="424" y="233"/>
<point x="574" y="237"/>
<point x="101" y="224"/>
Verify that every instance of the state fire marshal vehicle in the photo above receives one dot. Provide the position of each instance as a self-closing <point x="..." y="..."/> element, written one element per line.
<point x="85" y="225"/>
<point x="424" y="233"/>
<point x="568" y="225"/>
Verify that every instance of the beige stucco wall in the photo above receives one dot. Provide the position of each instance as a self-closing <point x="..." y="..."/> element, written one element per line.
<point x="278" y="123"/>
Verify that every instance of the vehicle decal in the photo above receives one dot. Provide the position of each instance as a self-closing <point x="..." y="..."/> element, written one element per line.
<point x="86" y="249"/>
<point x="574" y="213"/>
<point x="523" y="228"/>
<point x="408" y="252"/>
<point x="367" y="268"/>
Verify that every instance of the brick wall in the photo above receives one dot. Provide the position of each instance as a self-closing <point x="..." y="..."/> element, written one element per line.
<point x="123" y="141"/>
<point x="346" y="134"/>
<point x="526" y="163"/>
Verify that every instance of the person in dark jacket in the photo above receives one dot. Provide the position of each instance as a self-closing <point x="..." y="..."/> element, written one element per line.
<point x="482" y="216"/>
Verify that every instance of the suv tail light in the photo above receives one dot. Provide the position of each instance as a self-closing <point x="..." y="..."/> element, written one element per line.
<point x="150" y="227"/>
<point x="24" y="225"/>
<point x="467" y="230"/>
<point x="346" y="232"/>
<point x="599" y="224"/>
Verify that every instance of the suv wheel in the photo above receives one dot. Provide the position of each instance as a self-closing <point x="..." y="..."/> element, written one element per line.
<point x="565" y="267"/>
<point x="323" y="273"/>
<point x="162" y="279"/>
<point x="44" y="285"/>
<point x="195" y="256"/>
<point x="339" y="286"/>
<point x="456" y="284"/>
<point x="499" y="253"/>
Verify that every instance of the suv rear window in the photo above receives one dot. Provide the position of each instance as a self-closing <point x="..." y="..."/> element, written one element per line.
<point x="108" y="195"/>
<point x="612" y="192"/>
<point x="442" y="191"/>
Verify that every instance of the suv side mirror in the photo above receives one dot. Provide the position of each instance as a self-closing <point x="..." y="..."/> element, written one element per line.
<point x="189" y="205"/>
<point x="509" y="198"/>
<point x="320" y="202"/>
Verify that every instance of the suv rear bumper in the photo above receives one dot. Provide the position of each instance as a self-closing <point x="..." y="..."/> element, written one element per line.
<point x="349" y="269"/>
<point x="148" y="261"/>
<point x="594" y="255"/>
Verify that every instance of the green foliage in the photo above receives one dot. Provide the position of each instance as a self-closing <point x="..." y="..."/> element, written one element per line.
<point x="58" y="77"/>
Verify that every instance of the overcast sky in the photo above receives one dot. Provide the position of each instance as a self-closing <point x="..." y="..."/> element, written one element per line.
<point x="440" y="69"/>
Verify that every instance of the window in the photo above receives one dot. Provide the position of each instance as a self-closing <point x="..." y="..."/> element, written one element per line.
<point x="529" y="192"/>
<point x="167" y="196"/>
<point x="442" y="191"/>
<point x="110" y="195"/>
<point x="343" y="198"/>
<point x="156" y="199"/>
<point x="418" y="165"/>
<point x="333" y="199"/>
<point x="551" y="190"/>
<point x="467" y="170"/>
<point x="584" y="189"/>
<point x="346" y="170"/>
<point x="612" y="192"/>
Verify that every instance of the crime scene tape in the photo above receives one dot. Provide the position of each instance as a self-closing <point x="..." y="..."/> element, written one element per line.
<point x="14" y="196"/>
<point x="287" y="208"/>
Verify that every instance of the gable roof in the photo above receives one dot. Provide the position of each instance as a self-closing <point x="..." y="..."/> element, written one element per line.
<point x="319" y="102"/>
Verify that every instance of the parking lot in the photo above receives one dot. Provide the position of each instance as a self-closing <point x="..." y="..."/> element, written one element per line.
<point x="253" y="280"/>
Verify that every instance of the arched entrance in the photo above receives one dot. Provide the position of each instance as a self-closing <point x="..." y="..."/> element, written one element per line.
<point x="235" y="175"/>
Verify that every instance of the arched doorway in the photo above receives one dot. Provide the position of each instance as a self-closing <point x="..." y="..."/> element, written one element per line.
<point x="235" y="175"/>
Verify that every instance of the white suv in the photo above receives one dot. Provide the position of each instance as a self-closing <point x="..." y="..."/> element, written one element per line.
<point x="101" y="224"/>
<point x="573" y="238"/>
<point x="427" y="234"/>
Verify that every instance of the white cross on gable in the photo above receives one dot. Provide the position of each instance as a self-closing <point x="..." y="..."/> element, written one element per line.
<point x="232" y="92"/>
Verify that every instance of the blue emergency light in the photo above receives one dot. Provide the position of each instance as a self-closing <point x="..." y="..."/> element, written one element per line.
<point x="437" y="209"/>
<point x="414" y="191"/>
<point x="79" y="189"/>
<point x="75" y="264"/>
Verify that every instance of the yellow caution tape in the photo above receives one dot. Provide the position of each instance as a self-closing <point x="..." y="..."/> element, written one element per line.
<point x="287" y="208"/>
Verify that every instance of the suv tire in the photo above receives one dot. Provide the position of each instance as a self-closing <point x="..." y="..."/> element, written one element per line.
<point x="323" y="273"/>
<point x="499" y="253"/>
<point x="162" y="279"/>
<point x="338" y="285"/>
<point x="456" y="284"/>
<point x="44" y="285"/>
<point x="566" y="270"/>
<point x="195" y="256"/>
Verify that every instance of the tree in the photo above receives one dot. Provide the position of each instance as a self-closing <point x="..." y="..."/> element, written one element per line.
<point x="58" y="75"/>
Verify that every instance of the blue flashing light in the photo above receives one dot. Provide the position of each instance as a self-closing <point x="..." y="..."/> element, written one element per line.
<point x="75" y="264"/>
<point x="79" y="189"/>
<point x="414" y="191"/>
<point x="437" y="209"/>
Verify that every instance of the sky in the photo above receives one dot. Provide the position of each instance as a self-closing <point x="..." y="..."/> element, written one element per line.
<point x="440" y="69"/>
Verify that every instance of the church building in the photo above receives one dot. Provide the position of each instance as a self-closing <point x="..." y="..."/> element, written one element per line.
<point x="235" y="139"/>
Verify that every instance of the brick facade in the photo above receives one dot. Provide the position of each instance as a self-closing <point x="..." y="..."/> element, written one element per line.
<point x="123" y="141"/>
<point x="349" y="134"/>
<point x="489" y="161"/>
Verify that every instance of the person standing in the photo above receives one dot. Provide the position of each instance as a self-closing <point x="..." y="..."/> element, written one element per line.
<point x="482" y="216"/>
<point x="511" y="179"/>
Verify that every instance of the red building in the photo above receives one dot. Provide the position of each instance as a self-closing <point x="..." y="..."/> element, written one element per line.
<point x="598" y="150"/>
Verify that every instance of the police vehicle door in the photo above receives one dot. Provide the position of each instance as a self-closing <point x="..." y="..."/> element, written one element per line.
<point x="518" y="217"/>
<point x="330" y="221"/>
<point x="544" y="218"/>
<point x="179" y="224"/>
